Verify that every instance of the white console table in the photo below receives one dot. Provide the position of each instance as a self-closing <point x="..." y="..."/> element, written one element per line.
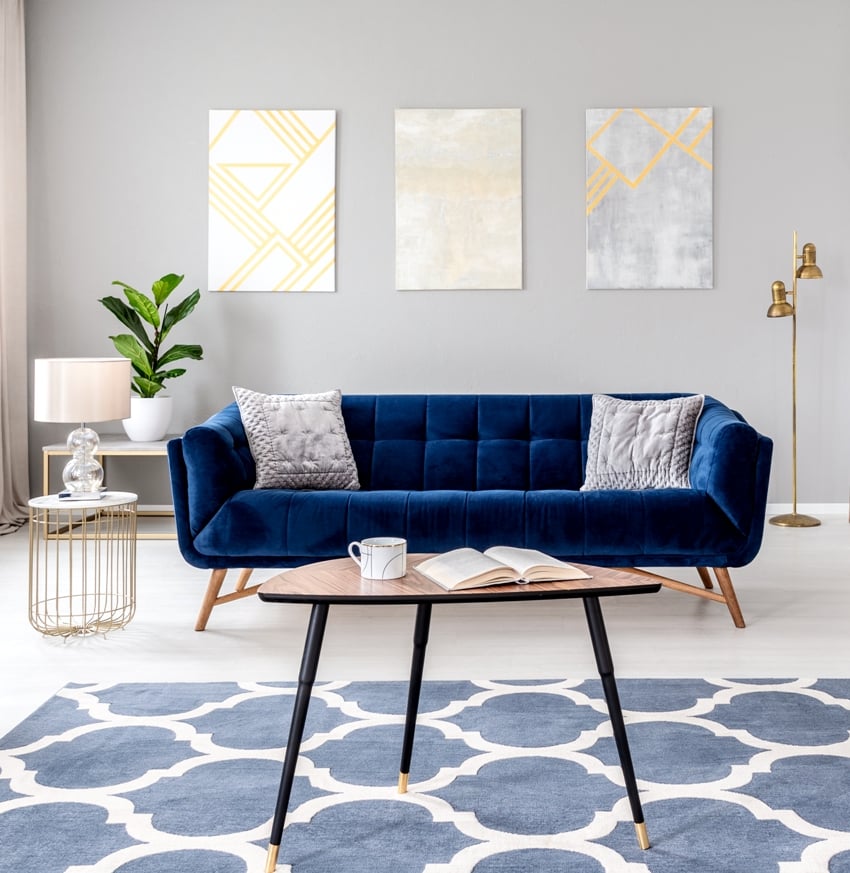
<point x="116" y="445"/>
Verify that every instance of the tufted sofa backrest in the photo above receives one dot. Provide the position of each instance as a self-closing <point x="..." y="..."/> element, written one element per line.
<point x="468" y="442"/>
<point x="464" y="442"/>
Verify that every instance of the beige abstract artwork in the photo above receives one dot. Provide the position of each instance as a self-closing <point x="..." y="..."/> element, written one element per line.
<point x="458" y="199"/>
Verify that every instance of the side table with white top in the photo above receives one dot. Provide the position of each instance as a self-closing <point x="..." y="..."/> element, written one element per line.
<point x="82" y="563"/>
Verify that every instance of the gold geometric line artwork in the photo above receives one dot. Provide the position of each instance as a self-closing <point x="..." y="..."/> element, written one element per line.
<point x="227" y="202"/>
<point x="608" y="172"/>
<point x="272" y="199"/>
<point x="606" y="182"/>
<point x="291" y="131"/>
<point x="674" y="138"/>
<point x="252" y="176"/>
<point x="649" y="198"/>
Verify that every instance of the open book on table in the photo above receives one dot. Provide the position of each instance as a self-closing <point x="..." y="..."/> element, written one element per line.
<point x="469" y="568"/>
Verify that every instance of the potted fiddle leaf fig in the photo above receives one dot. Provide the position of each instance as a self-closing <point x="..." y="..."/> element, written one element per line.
<point x="150" y="320"/>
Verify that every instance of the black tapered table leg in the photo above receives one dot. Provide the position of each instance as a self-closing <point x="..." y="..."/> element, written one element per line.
<point x="599" y="637"/>
<point x="420" y="641"/>
<point x="306" y="678"/>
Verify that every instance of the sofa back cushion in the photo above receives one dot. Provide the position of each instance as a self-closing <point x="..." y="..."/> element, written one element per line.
<point x="467" y="442"/>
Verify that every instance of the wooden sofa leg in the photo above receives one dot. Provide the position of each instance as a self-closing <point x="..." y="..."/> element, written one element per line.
<point x="214" y="586"/>
<point x="244" y="576"/>
<point x="725" y="582"/>
<point x="706" y="577"/>
<point x="725" y="595"/>
<point x="213" y="597"/>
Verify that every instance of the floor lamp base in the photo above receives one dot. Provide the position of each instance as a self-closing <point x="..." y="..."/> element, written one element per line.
<point x="795" y="519"/>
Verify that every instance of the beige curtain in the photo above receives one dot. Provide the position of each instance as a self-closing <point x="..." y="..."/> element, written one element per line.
<point x="14" y="464"/>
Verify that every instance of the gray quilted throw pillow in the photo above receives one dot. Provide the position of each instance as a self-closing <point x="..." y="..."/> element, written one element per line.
<point x="298" y="440"/>
<point x="636" y="444"/>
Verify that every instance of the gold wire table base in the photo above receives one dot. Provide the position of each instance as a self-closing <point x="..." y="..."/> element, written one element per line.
<point x="82" y="564"/>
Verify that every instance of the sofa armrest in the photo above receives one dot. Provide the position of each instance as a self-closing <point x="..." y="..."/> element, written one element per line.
<point x="731" y="463"/>
<point x="217" y="462"/>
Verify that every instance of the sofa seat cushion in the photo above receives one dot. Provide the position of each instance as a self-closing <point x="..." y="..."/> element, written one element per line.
<point x="666" y="527"/>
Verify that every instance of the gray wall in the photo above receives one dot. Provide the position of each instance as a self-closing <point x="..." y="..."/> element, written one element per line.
<point x="119" y="93"/>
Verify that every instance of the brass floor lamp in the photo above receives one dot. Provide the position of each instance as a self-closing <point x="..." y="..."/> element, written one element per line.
<point x="779" y="309"/>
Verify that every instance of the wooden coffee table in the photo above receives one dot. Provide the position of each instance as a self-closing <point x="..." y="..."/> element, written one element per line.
<point x="339" y="582"/>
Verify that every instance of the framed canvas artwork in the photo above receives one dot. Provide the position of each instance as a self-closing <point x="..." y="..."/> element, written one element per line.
<point x="458" y="179"/>
<point x="649" y="198"/>
<point x="272" y="189"/>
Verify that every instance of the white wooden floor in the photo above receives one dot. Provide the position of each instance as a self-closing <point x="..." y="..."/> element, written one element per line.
<point x="795" y="597"/>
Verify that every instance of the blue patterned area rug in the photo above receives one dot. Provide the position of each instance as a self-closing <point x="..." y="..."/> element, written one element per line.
<point x="744" y="776"/>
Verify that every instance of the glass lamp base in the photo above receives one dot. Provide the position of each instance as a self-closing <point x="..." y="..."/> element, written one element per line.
<point x="795" y="519"/>
<point x="83" y="474"/>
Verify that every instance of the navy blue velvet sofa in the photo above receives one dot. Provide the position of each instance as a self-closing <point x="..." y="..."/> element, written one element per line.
<point x="446" y="471"/>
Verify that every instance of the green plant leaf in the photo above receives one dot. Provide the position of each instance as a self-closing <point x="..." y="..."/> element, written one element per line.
<point x="146" y="387"/>
<point x="144" y="306"/>
<point x="124" y="285"/>
<point x="129" y="347"/>
<point x="164" y="286"/>
<point x="170" y="374"/>
<point x="179" y="312"/>
<point x="139" y="371"/>
<point x="142" y="348"/>
<point x="128" y="317"/>
<point x="175" y="353"/>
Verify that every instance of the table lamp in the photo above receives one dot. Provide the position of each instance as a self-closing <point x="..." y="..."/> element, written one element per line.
<point x="83" y="390"/>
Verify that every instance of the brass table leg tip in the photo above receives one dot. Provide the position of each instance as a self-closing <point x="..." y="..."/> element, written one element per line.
<point x="643" y="838"/>
<point x="271" y="858"/>
<point x="402" y="782"/>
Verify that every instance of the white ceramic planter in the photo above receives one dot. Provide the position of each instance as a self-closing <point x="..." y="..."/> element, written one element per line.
<point x="149" y="418"/>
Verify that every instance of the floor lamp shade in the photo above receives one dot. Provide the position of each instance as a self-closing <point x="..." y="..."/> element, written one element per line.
<point x="81" y="390"/>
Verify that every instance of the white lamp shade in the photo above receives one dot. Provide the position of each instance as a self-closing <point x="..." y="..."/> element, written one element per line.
<point x="81" y="389"/>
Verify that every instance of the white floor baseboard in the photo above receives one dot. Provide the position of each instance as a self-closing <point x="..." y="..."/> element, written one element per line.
<point x="815" y="509"/>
